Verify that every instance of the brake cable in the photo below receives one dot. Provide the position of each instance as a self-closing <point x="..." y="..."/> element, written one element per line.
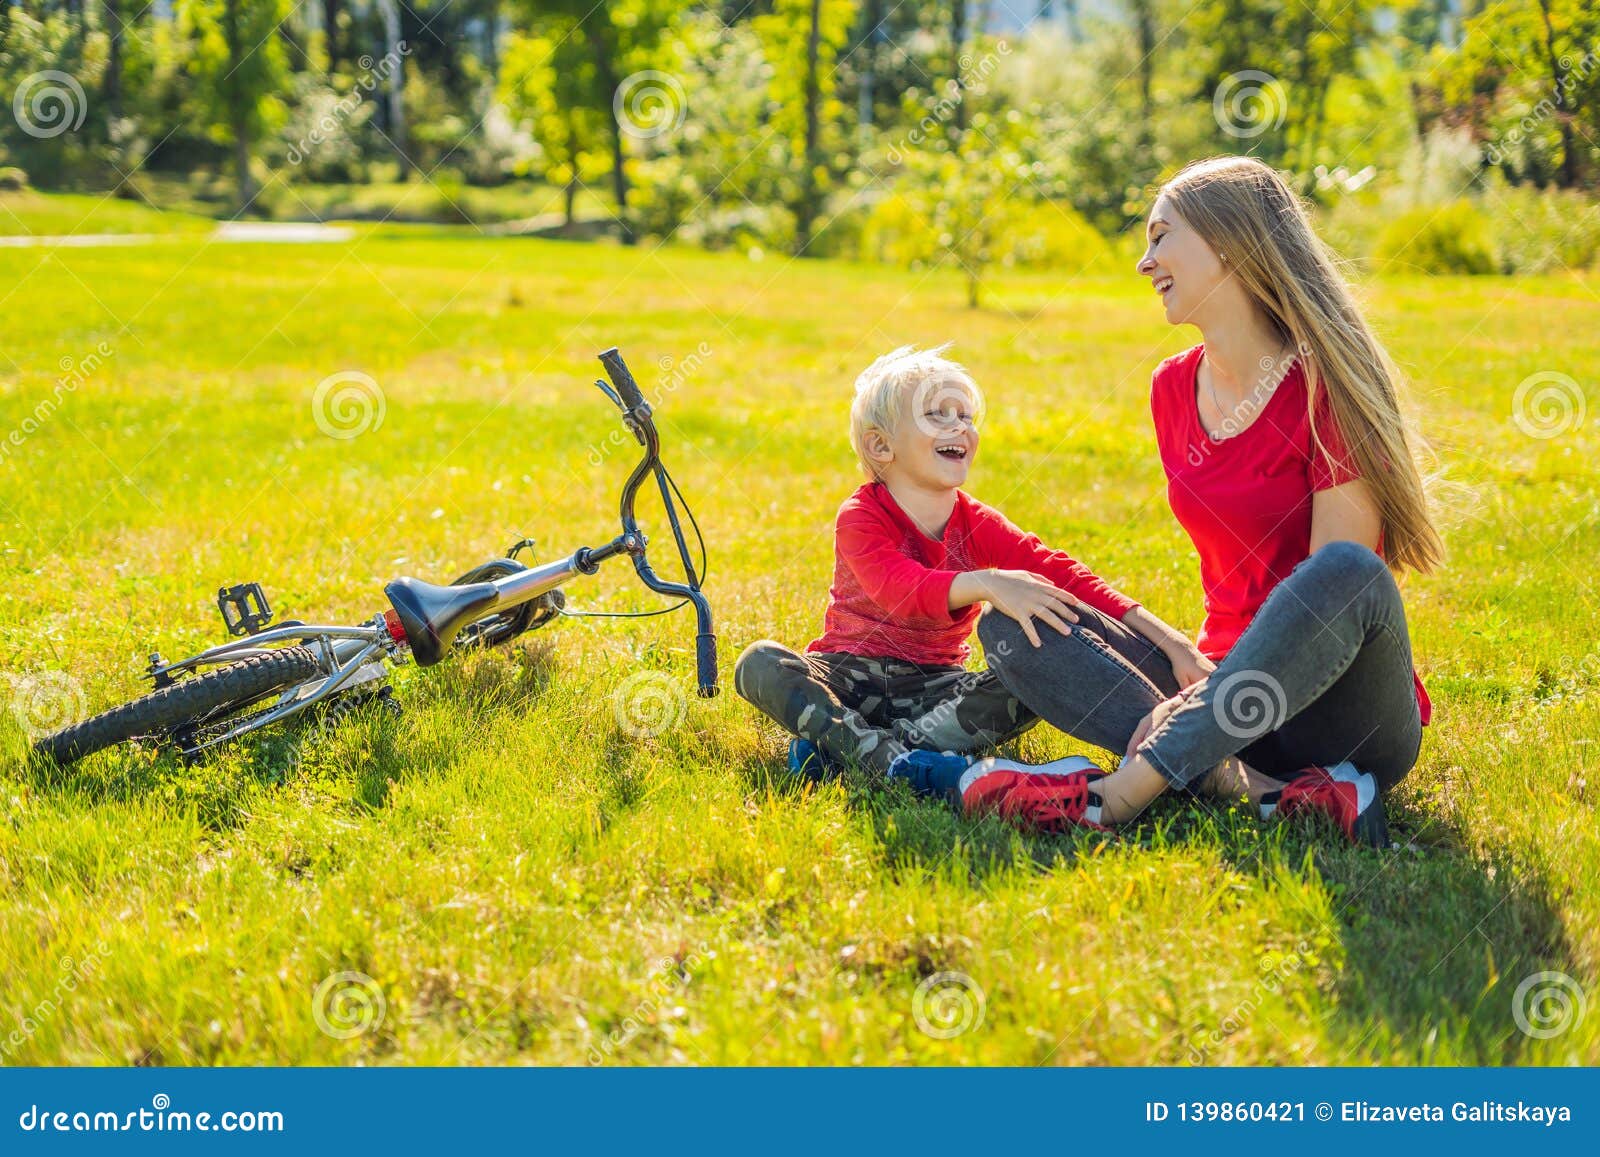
<point x="696" y="580"/>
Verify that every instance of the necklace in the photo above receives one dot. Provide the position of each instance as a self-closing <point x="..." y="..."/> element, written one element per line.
<point x="1283" y="360"/>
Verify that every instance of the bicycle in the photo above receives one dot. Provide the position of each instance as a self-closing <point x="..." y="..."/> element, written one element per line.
<point x="222" y="693"/>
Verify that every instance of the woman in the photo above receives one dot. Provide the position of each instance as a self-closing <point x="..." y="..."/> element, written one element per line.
<point x="1291" y="467"/>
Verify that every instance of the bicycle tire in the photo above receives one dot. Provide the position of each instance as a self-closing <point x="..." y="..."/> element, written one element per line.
<point x="188" y="699"/>
<point x="498" y="629"/>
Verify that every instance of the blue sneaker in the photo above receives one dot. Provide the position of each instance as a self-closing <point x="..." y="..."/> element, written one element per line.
<point x="807" y="761"/>
<point x="931" y="773"/>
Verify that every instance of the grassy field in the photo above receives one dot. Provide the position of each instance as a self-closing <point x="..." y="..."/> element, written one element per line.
<point x="519" y="879"/>
<point x="177" y="205"/>
<point x="28" y="213"/>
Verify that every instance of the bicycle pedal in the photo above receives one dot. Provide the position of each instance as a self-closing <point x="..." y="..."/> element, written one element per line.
<point x="244" y="608"/>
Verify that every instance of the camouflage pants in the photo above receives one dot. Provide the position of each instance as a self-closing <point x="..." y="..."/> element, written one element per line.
<point x="866" y="711"/>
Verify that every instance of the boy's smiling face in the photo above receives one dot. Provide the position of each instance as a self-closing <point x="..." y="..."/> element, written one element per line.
<point x="935" y="440"/>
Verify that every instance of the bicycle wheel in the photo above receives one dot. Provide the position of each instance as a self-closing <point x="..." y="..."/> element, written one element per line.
<point x="198" y="698"/>
<point x="502" y="628"/>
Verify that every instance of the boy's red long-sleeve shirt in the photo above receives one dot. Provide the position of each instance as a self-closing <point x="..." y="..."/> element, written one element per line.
<point x="891" y="582"/>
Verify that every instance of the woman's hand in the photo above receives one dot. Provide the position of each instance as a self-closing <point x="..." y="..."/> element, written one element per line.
<point x="1026" y="596"/>
<point x="1189" y="666"/>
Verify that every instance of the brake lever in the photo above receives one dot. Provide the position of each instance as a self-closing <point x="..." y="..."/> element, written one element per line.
<point x="616" y="399"/>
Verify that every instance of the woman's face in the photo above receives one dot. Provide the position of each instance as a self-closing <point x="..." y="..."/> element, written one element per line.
<point x="1184" y="270"/>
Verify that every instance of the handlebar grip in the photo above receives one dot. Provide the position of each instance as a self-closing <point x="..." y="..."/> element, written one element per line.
<point x="705" y="654"/>
<point x="617" y="371"/>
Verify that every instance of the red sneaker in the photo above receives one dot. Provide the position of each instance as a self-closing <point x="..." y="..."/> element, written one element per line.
<point x="1343" y="793"/>
<point x="1049" y="796"/>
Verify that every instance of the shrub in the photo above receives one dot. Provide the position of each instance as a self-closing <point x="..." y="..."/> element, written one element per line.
<point x="1544" y="230"/>
<point x="1451" y="238"/>
<point x="1054" y="235"/>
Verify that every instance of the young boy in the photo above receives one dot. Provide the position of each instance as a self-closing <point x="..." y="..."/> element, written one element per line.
<point x="915" y="557"/>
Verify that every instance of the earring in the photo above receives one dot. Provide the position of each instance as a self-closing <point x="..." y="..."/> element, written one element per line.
<point x="1224" y="256"/>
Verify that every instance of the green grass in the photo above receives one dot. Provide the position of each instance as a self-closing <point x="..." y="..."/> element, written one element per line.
<point x="525" y="882"/>
<point x="60" y="214"/>
<point x="192" y="204"/>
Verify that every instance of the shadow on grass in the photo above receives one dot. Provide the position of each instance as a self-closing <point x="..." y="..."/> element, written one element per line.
<point x="927" y="834"/>
<point x="364" y="743"/>
<point x="1435" y="941"/>
<point x="1436" y="945"/>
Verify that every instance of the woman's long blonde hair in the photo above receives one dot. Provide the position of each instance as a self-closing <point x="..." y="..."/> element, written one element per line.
<point x="1249" y="216"/>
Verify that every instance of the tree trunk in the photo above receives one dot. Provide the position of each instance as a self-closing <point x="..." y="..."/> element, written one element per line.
<point x="572" y="194"/>
<point x="238" y="104"/>
<point x="395" y="84"/>
<point x="330" y="35"/>
<point x="869" y="69"/>
<point x="1145" y="16"/>
<point x="1568" y="176"/>
<point x="958" y="37"/>
<point x="606" y="74"/>
<point x="112" y="91"/>
<point x="806" y="210"/>
<point x="491" y="39"/>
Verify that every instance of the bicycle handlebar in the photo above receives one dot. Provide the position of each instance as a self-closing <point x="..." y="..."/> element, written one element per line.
<point x="636" y="412"/>
<point x="627" y="388"/>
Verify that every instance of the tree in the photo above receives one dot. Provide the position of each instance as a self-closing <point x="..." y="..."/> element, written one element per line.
<point x="550" y="84"/>
<point x="803" y="39"/>
<point x="1278" y="64"/>
<point x="111" y="84"/>
<point x="240" y="73"/>
<point x="1527" y="79"/>
<point x="958" y="40"/>
<point x="806" y="209"/>
<point x="967" y="196"/>
<point x="394" y="84"/>
<point x="623" y="39"/>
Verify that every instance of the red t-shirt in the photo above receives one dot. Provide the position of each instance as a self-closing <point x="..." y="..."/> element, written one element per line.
<point x="891" y="582"/>
<point x="1246" y="501"/>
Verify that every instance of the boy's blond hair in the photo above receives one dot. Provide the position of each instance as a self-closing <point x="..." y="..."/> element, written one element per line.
<point x="926" y="376"/>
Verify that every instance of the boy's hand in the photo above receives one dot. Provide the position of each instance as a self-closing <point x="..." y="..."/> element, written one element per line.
<point x="1153" y="720"/>
<point x="1189" y="666"/>
<point x="1026" y="596"/>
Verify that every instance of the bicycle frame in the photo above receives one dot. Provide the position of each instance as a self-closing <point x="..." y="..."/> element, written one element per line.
<point x="424" y="618"/>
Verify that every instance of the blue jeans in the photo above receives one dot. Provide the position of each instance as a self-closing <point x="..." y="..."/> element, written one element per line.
<point x="1322" y="675"/>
